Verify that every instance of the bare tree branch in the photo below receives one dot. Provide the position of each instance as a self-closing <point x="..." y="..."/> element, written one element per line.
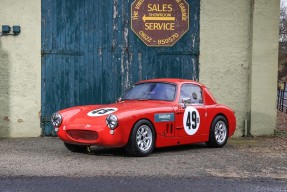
<point x="283" y="23"/>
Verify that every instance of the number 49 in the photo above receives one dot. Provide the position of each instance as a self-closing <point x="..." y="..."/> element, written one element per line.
<point x="191" y="121"/>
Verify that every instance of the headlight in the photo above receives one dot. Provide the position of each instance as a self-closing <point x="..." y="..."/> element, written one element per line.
<point x="112" y="121"/>
<point x="56" y="119"/>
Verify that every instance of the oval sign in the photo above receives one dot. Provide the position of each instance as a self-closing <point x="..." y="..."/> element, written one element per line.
<point x="101" y="112"/>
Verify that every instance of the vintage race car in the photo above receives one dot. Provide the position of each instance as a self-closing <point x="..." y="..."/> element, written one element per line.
<point x="153" y="113"/>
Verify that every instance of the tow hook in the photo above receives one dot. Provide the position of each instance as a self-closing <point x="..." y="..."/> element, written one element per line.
<point x="89" y="149"/>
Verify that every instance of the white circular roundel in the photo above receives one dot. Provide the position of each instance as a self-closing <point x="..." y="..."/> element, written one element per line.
<point x="101" y="112"/>
<point x="191" y="120"/>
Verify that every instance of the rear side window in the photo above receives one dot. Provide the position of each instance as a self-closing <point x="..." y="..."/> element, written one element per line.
<point x="194" y="92"/>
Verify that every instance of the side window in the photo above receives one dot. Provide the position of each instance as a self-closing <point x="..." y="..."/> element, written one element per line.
<point x="191" y="91"/>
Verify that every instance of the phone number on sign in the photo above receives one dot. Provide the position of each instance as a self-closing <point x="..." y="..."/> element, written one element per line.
<point x="168" y="40"/>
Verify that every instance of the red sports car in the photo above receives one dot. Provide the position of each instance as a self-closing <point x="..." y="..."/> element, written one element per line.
<point x="153" y="113"/>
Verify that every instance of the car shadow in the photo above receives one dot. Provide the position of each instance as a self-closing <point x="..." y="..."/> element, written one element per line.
<point x="103" y="151"/>
<point x="120" y="152"/>
<point x="180" y="148"/>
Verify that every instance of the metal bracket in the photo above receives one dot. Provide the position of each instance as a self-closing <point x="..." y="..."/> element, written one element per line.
<point x="178" y="53"/>
<point x="44" y="120"/>
<point x="62" y="52"/>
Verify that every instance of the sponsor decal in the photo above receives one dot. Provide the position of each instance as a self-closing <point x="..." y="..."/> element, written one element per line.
<point x="164" y="117"/>
<point x="191" y="120"/>
<point x="101" y="112"/>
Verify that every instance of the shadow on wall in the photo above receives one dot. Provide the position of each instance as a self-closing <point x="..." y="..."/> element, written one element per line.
<point x="4" y="92"/>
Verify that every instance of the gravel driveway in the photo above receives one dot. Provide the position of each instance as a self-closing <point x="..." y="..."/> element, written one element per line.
<point x="240" y="158"/>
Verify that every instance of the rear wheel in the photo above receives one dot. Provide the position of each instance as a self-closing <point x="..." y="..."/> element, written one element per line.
<point x="142" y="139"/>
<point x="218" y="132"/>
<point x="76" y="148"/>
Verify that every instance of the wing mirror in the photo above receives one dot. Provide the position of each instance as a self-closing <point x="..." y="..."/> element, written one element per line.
<point x="186" y="101"/>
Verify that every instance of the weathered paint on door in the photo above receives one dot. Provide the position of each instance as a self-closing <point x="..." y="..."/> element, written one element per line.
<point x="90" y="55"/>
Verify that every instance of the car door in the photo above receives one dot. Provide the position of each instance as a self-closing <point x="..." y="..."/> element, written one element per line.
<point x="190" y="116"/>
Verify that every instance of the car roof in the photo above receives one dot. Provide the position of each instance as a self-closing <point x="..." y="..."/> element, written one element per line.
<point x="171" y="80"/>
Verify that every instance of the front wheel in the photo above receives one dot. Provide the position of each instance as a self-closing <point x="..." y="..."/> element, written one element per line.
<point x="142" y="139"/>
<point x="218" y="132"/>
<point x="76" y="148"/>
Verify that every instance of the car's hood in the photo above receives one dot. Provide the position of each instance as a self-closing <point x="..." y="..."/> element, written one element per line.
<point x="96" y="114"/>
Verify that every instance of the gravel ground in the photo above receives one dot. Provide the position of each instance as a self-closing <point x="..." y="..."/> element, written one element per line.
<point x="240" y="158"/>
<point x="281" y="121"/>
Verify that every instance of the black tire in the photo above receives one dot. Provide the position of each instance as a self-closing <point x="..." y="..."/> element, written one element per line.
<point x="146" y="141"/>
<point x="76" y="148"/>
<point x="218" y="135"/>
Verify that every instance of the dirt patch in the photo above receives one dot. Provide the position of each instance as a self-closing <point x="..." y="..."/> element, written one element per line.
<point x="6" y="118"/>
<point x="281" y="127"/>
<point x="260" y="157"/>
<point x="271" y="147"/>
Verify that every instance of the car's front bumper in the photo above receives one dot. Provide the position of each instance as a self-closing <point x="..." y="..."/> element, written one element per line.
<point x="92" y="136"/>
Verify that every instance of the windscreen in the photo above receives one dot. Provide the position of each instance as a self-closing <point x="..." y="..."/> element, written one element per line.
<point x="151" y="91"/>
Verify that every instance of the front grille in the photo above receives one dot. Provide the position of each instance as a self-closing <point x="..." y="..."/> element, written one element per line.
<point x="83" y="135"/>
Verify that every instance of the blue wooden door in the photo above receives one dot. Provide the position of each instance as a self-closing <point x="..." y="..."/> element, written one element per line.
<point x="90" y="54"/>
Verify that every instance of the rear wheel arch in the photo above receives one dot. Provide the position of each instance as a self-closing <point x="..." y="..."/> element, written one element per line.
<point x="221" y="114"/>
<point x="213" y="141"/>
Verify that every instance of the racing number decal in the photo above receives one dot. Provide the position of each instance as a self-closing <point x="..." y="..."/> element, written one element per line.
<point x="101" y="112"/>
<point x="191" y="120"/>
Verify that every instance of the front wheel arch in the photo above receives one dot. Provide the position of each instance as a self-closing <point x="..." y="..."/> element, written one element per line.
<point x="131" y="147"/>
<point x="140" y="120"/>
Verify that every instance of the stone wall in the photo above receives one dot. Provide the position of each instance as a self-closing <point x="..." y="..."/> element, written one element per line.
<point x="20" y="69"/>
<point x="239" y="59"/>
